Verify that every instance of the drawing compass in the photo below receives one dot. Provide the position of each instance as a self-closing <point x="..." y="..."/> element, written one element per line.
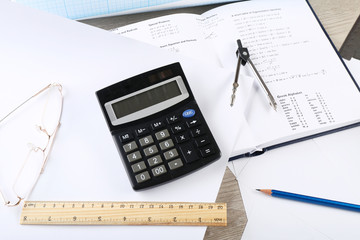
<point x="243" y="56"/>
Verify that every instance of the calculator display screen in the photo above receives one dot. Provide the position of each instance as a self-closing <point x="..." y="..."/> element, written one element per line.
<point x="146" y="99"/>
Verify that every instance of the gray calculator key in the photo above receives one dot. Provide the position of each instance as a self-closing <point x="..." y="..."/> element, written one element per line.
<point x="166" y="144"/>
<point x="142" y="177"/>
<point x="171" y="154"/>
<point x="162" y="134"/>
<point x="128" y="147"/>
<point x="134" y="156"/>
<point x="157" y="171"/>
<point x="137" y="167"/>
<point x="155" y="160"/>
<point x="175" y="164"/>
<point x="146" y="140"/>
<point x="150" y="150"/>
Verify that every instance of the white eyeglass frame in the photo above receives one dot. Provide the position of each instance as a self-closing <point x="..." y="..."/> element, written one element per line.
<point x="45" y="150"/>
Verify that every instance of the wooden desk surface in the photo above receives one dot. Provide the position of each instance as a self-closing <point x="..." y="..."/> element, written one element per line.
<point x="338" y="17"/>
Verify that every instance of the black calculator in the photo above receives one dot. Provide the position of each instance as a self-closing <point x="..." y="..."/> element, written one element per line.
<point x="157" y="126"/>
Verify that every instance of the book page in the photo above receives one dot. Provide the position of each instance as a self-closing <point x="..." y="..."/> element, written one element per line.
<point x="312" y="88"/>
<point x="300" y="67"/>
<point x="179" y="33"/>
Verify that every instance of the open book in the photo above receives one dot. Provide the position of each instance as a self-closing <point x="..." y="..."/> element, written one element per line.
<point x="313" y="89"/>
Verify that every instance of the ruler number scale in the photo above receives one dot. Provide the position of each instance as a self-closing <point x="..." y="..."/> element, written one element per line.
<point x="124" y="213"/>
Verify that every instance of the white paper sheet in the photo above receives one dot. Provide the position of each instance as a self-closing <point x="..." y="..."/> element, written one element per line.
<point x="304" y="168"/>
<point x="37" y="49"/>
<point x="326" y="167"/>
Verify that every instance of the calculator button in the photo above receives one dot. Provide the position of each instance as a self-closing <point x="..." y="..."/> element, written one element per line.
<point x="142" y="177"/>
<point x="166" y="144"/>
<point x="188" y="113"/>
<point x="146" y="140"/>
<point x="131" y="146"/>
<point x="157" y="171"/>
<point x="202" y="141"/>
<point x="175" y="164"/>
<point x="207" y="151"/>
<point x="173" y="119"/>
<point x="182" y="138"/>
<point x="150" y="150"/>
<point x="141" y="131"/>
<point x="189" y="153"/>
<point x="171" y="154"/>
<point x="157" y="125"/>
<point x="178" y="128"/>
<point x="134" y="156"/>
<point x="192" y="123"/>
<point x="196" y="132"/>
<point x="162" y="134"/>
<point x="125" y="137"/>
<point x="153" y="161"/>
<point x="137" y="167"/>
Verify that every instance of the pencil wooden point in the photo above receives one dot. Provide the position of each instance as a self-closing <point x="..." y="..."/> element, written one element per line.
<point x="266" y="191"/>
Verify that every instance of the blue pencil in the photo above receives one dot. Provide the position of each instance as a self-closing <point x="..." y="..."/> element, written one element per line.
<point x="309" y="199"/>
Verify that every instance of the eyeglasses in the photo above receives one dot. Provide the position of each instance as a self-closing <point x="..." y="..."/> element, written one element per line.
<point x="35" y="161"/>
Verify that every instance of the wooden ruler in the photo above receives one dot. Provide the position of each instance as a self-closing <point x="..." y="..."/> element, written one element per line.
<point x="124" y="213"/>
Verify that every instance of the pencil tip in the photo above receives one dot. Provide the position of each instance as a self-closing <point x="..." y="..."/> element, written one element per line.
<point x="266" y="191"/>
<point x="258" y="189"/>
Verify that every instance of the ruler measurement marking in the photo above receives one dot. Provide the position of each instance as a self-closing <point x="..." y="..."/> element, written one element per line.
<point x="124" y="213"/>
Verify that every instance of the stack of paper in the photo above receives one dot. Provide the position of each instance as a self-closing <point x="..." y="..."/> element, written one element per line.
<point x="38" y="49"/>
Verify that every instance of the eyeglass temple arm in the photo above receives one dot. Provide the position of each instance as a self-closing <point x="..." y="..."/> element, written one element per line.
<point x="25" y="102"/>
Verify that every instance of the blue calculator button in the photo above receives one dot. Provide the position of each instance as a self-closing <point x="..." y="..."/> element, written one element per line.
<point x="188" y="113"/>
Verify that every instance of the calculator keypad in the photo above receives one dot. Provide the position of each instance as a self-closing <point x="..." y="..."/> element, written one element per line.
<point x="166" y="148"/>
